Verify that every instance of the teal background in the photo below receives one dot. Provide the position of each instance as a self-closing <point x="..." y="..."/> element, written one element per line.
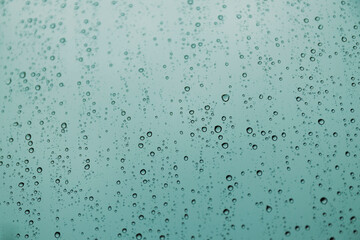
<point x="108" y="88"/>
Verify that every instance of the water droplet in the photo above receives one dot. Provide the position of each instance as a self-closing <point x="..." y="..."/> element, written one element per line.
<point x="225" y="145"/>
<point x="225" y="97"/>
<point x="228" y="177"/>
<point x="268" y="208"/>
<point x="249" y="130"/>
<point x="323" y="200"/>
<point x="217" y="128"/>
<point x="226" y="211"/>
<point x="22" y="75"/>
<point x="57" y="234"/>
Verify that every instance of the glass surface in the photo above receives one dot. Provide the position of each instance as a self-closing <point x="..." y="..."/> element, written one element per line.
<point x="179" y="119"/>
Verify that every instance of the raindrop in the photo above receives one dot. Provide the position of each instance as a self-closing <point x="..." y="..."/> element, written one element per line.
<point x="225" y="97"/>
<point x="323" y="200"/>
<point x="28" y="136"/>
<point x="228" y="177"/>
<point x="268" y="208"/>
<point x="57" y="234"/>
<point x="22" y="75"/>
<point x="225" y="145"/>
<point x="249" y="130"/>
<point x="226" y="211"/>
<point x="217" y="129"/>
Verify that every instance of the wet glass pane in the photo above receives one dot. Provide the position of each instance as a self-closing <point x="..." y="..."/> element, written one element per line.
<point x="177" y="120"/>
